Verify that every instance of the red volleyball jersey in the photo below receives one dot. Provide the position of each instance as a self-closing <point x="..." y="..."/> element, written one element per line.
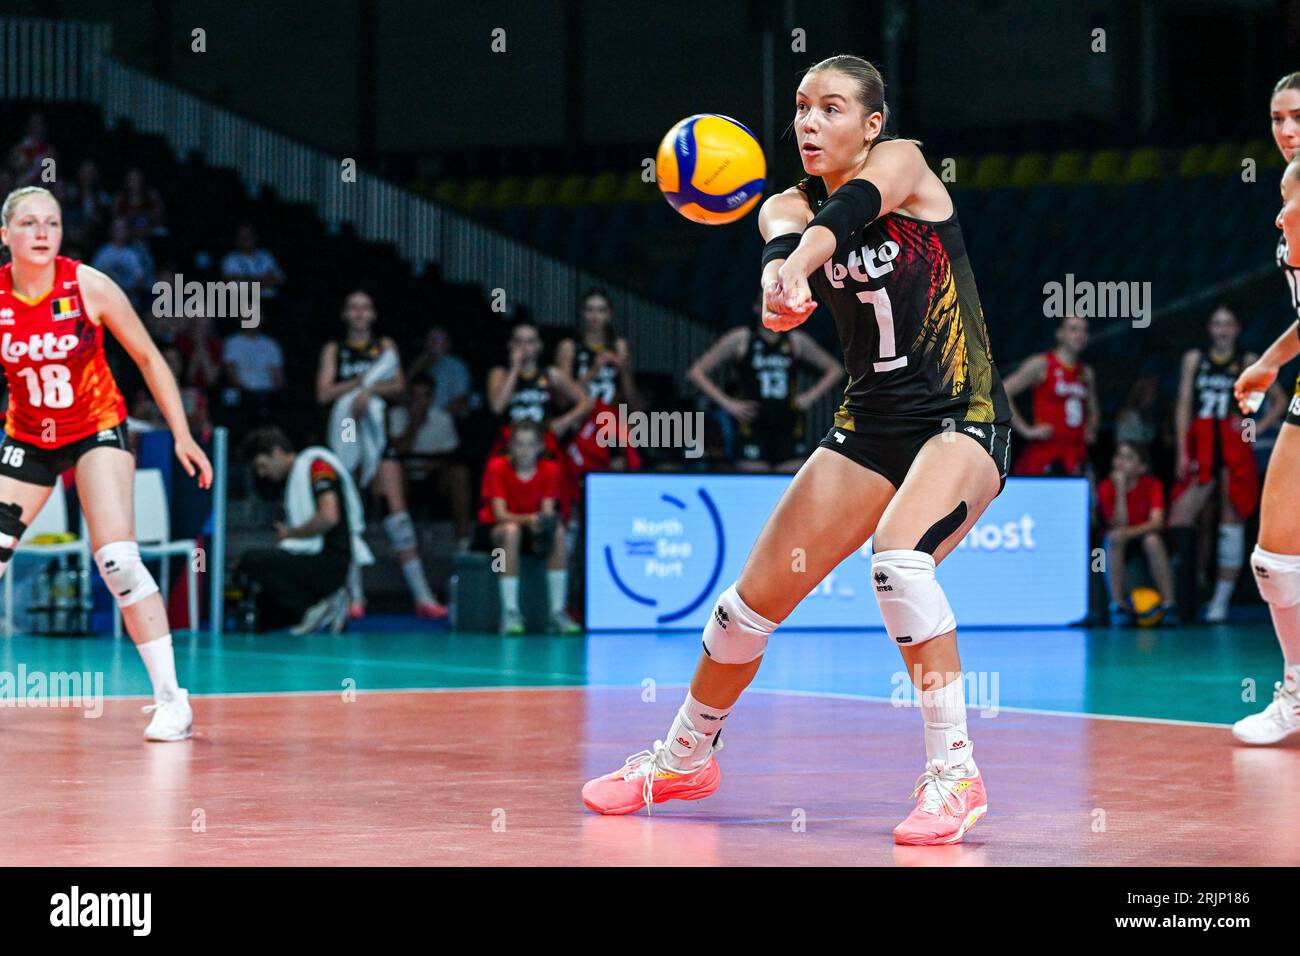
<point x="60" y="386"/>
<point x="1060" y="401"/>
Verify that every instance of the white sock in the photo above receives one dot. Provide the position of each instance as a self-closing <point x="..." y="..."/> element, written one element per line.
<point x="557" y="585"/>
<point x="944" y="711"/>
<point x="1223" y="592"/>
<point x="509" y="586"/>
<point x="413" y="571"/>
<point x="691" y="737"/>
<point x="355" y="594"/>
<point x="160" y="662"/>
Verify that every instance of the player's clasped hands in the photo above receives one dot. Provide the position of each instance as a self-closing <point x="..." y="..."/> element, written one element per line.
<point x="787" y="302"/>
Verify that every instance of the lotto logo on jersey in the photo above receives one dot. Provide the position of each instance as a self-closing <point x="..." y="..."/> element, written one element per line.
<point x="65" y="308"/>
<point x="37" y="348"/>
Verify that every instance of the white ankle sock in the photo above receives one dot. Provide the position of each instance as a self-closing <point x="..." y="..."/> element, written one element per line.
<point x="1223" y="592"/>
<point x="509" y="586"/>
<point x="160" y="662"/>
<point x="355" y="594"/>
<point x="944" y="710"/>
<point x="413" y="571"/>
<point x="557" y="585"/>
<point x="690" y="738"/>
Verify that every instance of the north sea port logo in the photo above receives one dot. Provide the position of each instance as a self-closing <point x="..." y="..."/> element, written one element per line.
<point x="663" y="551"/>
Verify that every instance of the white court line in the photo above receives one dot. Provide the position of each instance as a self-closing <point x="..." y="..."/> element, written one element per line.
<point x="834" y="695"/>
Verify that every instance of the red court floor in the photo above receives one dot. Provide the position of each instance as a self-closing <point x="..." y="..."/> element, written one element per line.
<point x="479" y="777"/>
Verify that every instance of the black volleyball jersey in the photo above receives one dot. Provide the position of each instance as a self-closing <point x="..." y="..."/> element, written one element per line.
<point x="909" y="320"/>
<point x="354" y="360"/>
<point x="531" y="401"/>
<point x="1291" y="274"/>
<point x="766" y="374"/>
<point x="1213" y="385"/>
<point x="604" y="384"/>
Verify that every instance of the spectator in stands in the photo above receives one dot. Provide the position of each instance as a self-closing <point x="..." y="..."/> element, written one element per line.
<point x="203" y="352"/>
<point x="518" y="515"/>
<point x="254" y="365"/>
<point x="530" y="391"/>
<point x="600" y="360"/>
<point x="28" y="156"/>
<point x="127" y="263"/>
<point x="302" y="579"/>
<point x="425" y="437"/>
<point x="1137" y="419"/>
<point x="87" y="207"/>
<point x="248" y="263"/>
<point x="141" y="206"/>
<point x="1065" y="406"/>
<point x="1132" y="505"/>
<point x="447" y="372"/>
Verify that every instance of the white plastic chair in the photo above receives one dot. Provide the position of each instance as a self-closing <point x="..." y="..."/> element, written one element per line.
<point x="51" y="519"/>
<point x="153" y="532"/>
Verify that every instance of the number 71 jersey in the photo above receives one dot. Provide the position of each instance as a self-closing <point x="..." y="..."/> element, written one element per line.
<point x="60" y="386"/>
<point x="909" y="320"/>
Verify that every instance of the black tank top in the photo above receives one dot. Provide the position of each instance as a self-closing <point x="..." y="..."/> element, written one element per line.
<point x="1291" y="274"/>
<point x="353" y="360"/>
<point x="909" y="320"/>
<point x="766" y="374"/>
<point x="604" y="384"/>
<point x="1213" y="385"/>
<point x="531" y="401"/>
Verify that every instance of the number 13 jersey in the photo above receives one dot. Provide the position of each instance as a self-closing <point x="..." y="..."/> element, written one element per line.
<point x="60" y="386"/>
<point x="909" y="319"/>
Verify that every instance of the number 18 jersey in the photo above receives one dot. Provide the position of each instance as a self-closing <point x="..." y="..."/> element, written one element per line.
<point x="60" y="386"/>
<point x="909" y="319"/>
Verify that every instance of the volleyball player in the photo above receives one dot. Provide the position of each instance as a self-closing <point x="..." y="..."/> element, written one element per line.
<point x="1215" y="452"/>
<point x="65" y="411"/>
<point x="768" y="406"/>
<point x="342" y="369"/>
<point x="600" y="361"/>
<point x="1276" y="558"/>
<point x="918" y="449"/>
<point x="1066" y="411"/>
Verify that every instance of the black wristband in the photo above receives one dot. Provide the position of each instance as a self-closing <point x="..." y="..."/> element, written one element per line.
<point x="849" y="208"/>
<point x="780" y="247"/>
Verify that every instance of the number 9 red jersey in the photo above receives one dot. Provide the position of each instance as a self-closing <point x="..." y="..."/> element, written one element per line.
<point x="60" y="386"/>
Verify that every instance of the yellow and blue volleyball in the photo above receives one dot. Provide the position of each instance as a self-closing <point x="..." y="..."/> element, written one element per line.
<point x="1147" y="607"/>
<point x="711" y="169"/>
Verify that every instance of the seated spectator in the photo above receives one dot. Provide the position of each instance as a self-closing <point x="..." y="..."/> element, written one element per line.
<point x="254" y="361"/>
<point x="28" y="156"/>
<point x="518" y="514"/>
<point x="248" y="263"/>
<point x="87" y="207"/>
<point x="124" y="261"/>
<point x="203" y="352"/>
<point x="141" y="207"/>
<point x="302" y="579"/>
<point x="447" y="371"/>
<point x="425" y="438"/>
<point x="1132" y="505"/>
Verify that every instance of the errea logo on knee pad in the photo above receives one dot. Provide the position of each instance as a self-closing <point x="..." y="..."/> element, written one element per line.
<point x="882" y="580"/>
<point x="720" y="615"/>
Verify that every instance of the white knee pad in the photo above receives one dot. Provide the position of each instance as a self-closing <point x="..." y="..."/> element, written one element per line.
<point x="1278" y="577"/>
<point x="401" y="532"/>
<point x="911" y="602"/>
<point x="735" y="634"/>
<point x="124" y="572"/>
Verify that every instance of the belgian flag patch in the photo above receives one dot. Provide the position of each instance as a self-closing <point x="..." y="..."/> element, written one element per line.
<point x="65" y="308"/>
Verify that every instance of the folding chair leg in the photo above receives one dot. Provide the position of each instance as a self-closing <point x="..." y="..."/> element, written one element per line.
<point x="117" y="620"/>
<point x="192" y="592"/>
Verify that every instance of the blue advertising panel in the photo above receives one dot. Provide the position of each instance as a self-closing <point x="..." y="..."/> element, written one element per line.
<point x="661" y="547"/>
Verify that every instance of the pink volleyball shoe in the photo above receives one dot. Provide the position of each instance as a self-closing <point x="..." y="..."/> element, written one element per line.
<point x="948" y="803"/>
<point x="431" y="611"/>
<point x="644" y="779"/>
